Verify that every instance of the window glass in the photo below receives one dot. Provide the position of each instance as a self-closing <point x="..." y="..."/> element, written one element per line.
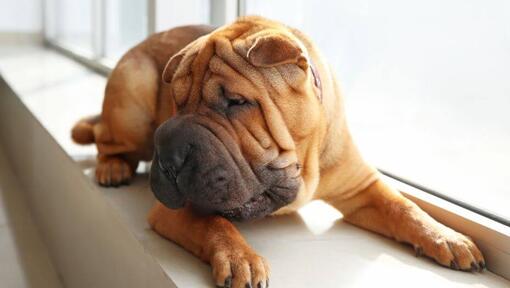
<point x="105" y="29"/>
<point x="73" y="23"/>
<point x="426" y="84"/>
<point x="172" y="13"/>
<point x="49" y="14"/>
<point x="126" y="25"/>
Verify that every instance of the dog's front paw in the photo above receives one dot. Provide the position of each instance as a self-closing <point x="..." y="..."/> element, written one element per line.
<point x="451" y="249"/>
<point x="239" y="267"/>
<point x="113" y="171"/>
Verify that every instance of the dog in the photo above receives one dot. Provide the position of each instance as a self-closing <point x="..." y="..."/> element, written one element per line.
<point x="241" y="122"/>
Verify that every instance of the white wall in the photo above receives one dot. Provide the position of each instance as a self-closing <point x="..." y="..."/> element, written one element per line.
<point x="21" y="16"/>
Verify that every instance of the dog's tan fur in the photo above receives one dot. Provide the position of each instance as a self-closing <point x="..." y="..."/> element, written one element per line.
<point x="274" y="61"/>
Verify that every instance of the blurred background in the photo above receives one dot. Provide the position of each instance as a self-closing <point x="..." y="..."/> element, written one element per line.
<point x="427" y="83"/>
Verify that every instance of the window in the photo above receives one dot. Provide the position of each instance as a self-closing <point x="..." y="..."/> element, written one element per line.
<point x="73" y="23"/>
<point x="126" y="25"/>
<point x="96" y="30"/>
<point x="425" y="82"/>
<point x="433" y="78"/>
<point x="172" y="13"/>
<point x="431" y="75"/>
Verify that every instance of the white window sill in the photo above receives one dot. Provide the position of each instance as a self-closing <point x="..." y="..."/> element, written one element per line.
<point x="307" y="250"/>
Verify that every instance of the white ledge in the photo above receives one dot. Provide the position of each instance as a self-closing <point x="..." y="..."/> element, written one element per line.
<point x="98" y="237"/>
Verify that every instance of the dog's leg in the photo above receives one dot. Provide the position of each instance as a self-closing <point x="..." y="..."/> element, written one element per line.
<point x="124" y="134"/>
<point x="383" y="209"/>
<point x="115" y="170"/>
<point x="117" y="158"/>
<point x="116" y="162"/>
<point x="214" y="240"/>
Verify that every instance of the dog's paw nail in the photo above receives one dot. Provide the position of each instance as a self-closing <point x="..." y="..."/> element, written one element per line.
<point x="259" y="285"/>
<point x="454" y="265"/>
<point x="418" y="251"/>
<point x="474" y="267"/>
<point x="247" y="285"/>
<point x="481" y="265"/>
<point x="267" y="283"/>
<point x="228" y="282"/>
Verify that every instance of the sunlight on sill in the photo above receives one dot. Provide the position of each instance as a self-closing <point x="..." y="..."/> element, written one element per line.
<point x="319" y="217"/>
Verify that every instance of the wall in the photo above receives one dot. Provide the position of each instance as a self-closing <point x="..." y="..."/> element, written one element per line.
<point x="20" y="16"/>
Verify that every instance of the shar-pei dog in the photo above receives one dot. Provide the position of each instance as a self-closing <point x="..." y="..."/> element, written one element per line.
<point x="241" y="122"/>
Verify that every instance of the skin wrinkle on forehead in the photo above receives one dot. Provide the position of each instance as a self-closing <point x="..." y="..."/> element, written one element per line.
<point x="183" y="75"/>
<point x="236" y="62"/>
<point x="274" y="120"/>
<point x="286" y="80"/>
<point x="198" y="71"/>
<point x="189" y="54"/>
<point x="278" y="83"/>
<point x="262" y="152"/>
<point x="238" y="84"/>
<point x="218" y="66"/>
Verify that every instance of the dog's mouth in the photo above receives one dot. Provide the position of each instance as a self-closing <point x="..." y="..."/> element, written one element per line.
<point x="257" y="207"/>
<point x="225" y="202"/>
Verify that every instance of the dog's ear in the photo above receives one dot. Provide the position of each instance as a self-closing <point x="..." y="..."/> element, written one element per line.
<point x="186" y="54"/>
<point x="273" y="50"/>
<point x="171" y="67"/>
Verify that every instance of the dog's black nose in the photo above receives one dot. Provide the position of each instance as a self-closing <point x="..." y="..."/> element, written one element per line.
<point x="172" y="141"/>
<point x="172" y="148"/>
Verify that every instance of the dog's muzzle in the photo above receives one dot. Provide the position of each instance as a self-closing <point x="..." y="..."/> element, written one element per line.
<point x="193" y="165"/>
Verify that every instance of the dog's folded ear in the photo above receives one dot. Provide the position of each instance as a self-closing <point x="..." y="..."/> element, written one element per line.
<point x="275" y="49"/>
<point x="171" y="67"/>
<point x="187" y="54"/>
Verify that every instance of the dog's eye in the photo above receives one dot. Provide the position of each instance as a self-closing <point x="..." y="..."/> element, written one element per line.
<point x="236" y="102"/>
<point x="231" y="98"/>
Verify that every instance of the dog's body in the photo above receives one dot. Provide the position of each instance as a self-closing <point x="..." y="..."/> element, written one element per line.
<point x="262" y="96"/>
<point x="134" y="106"/>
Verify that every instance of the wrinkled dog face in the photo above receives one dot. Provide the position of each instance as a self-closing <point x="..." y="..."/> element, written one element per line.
<point x="244" y="101"/>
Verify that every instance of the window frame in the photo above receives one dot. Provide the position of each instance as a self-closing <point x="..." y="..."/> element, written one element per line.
<point x="97" y="58"/>
<point x="490" y="232"/>
<point x="221" y="12"/>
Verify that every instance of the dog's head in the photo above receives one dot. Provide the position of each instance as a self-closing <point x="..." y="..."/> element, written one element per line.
<point x="248" y="115"/>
